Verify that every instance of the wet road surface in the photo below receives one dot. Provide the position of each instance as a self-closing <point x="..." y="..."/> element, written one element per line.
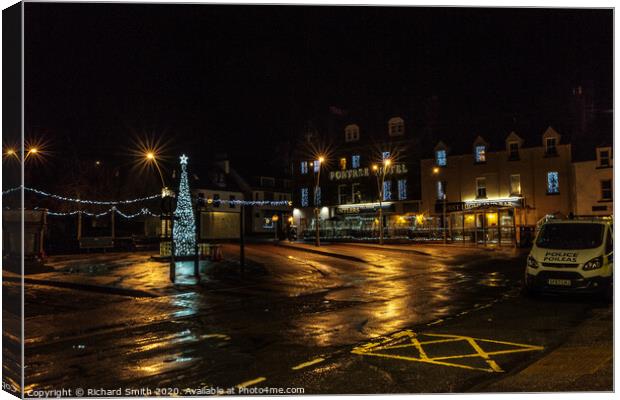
<point x="316" y="322"/>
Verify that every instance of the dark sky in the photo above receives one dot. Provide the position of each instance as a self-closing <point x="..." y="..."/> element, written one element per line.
<point x="240" y="78"/>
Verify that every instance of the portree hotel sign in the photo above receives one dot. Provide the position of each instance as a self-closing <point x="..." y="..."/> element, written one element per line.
<point x="363" y="172"/>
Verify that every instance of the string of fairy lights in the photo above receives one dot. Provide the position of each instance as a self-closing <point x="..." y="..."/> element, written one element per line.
<point x="143" y="211"/>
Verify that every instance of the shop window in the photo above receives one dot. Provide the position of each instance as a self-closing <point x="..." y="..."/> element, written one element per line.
<point x="480" y="154"/>
<point x="304" y="167"/>
<point x="604" y="157"/>
<point x="481" y="188"/>
<point x="304" y="197"/>
<point x="317" y="196"/>
<point x="402" y="189"/>
<point x="441" y="190"/>
<point x="343" y="163"/>
<point x="355" y="161"/>
<point x="387" y="190"/>
<point x="550" y="146"/>
<point x="513" y="150"/>
<point x="606" y="190"/>
<point x="515" y="185"/>
<point x="440" y="158"/>
<point x="553" y="182"/>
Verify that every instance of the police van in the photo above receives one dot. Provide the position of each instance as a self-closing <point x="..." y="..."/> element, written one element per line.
<point x="572" y="255"/>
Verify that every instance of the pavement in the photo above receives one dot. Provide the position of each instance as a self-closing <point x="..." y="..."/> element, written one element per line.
<point x="378" y="320"/>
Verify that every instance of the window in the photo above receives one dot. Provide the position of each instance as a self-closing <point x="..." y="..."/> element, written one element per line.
<point x="606" y="190"/>
<point x="553" y="182"/>
<point x="304" y="167"/>
<point x="604" y="158"/>
<point x="441" y="190"/>
<point x="317" y="165"/>
<point x="343" y="163"/>
<point x="396" y="126"/>
<point x="351" y="133"/>
<point x="232" y="198"/>
<point x="513" y="150"/>
<point x="355" y="161"/>
<point x="480" y="154"/>
<point x="317" y="196"/>
<point x="515" y="184"/>
<point x="343" y="194"/>
<point x="387" y="190"/>
<point x="440" y="158"/>
<point x="355" y="193"/>
<point x="402" y="189"/>
<point x="385" y="155"/>
<point x="216" y="200"/>
<point x="481" y="188"/>
<point x="304" y="197"/>
<point x="550" y="147"/>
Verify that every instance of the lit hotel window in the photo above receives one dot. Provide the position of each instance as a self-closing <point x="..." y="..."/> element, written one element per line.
<point x="402" y="189"/>
<point x="304" y="167"/>
<point x="385" y="155"/>
<point x="441" y="190"/>
<point x="480" y="154"/>
<point x="304" y="197"/>
<point x="441" y="158"/>
<point x="317" y="165"/>
<point x="317" y="196"/>
<point x="553" y="182"/>
<point x="387" y="190"/>
<point x="355" y="161"/>
<point x="515" y="184"/>
<point x="343" y="163"/>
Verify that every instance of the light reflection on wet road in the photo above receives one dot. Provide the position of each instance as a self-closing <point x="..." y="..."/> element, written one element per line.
<point x="307" y="305"/>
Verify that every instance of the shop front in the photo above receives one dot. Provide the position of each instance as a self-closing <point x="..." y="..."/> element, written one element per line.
<point x="482" y="221"/>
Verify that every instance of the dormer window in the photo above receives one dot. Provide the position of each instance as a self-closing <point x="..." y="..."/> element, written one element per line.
<point x="603" y="157"/>
<point x="551" y="146"/>
<point x="480" y="153"/>
<point x="351" y="133"/>
<point x="513" y="150"/>
<point x="440" y="158"/>
<point x="396" y="126"/>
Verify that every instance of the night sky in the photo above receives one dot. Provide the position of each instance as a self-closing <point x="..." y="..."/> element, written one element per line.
<point x="242" y="78"/>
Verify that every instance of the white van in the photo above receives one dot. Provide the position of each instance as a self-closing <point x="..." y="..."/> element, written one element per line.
<point x="572" y="255"/>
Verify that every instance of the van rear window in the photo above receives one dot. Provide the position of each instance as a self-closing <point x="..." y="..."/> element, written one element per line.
<point x="570" y="236"/>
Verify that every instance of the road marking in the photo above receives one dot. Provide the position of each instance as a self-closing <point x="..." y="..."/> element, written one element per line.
<point x="409" y="339"/>
<point x="307" y="364"/>
<point x="252" y="382"/>
<point x="439" y="321"/>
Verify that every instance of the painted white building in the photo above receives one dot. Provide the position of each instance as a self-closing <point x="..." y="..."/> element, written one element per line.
<point x="593" y="189"/>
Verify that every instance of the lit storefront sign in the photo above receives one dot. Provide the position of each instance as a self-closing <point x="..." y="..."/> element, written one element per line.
<point x="479" y="204"/>
<point x="364" y="208"/>
<point x="364" y="172"/>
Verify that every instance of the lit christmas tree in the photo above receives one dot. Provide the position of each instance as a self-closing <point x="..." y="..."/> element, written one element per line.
<point x="184" y="226"/>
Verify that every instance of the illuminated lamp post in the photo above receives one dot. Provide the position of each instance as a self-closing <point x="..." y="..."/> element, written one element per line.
<point x="317" y="181"/>
<point x="386" y="163"/>
<point x="436" y="171"/>
<point x="274" y="219"/>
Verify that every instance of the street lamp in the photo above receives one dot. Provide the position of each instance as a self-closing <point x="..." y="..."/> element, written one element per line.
<point x="436" y="171"/>
<point x="317" y="181"/>
<point x="151" y="157"/>
<point x="386" y="163"/>
<point x="275" y="219"/>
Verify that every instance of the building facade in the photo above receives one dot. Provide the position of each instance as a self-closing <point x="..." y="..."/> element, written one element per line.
<point x="363" y="172"/>
<point x="497" y="195"/>
<point x="593" y="177"/>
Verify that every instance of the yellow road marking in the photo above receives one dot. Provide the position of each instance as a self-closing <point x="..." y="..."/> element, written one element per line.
<point x="411" y="339"/>
<point x="307" y="364"/>
<point x="252" y="382"/>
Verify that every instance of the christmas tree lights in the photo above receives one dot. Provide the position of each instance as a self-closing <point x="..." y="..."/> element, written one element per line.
<point x="184" y="231"/>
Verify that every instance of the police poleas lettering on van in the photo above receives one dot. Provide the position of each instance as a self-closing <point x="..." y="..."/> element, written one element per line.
<point x="556" y="256"/>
